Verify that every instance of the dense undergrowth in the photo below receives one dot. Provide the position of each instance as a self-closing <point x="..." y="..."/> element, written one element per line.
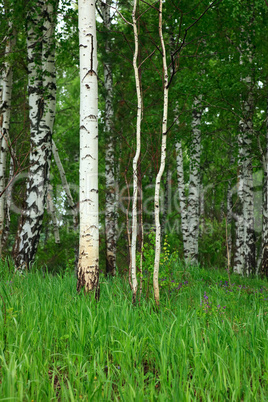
<point x="207" y="342"/>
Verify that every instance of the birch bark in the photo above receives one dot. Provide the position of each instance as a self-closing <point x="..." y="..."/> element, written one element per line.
<point x="88" y="264"/>
<point x="41" y="88"/>
<point x="162" y="163"/>
<point x="239" y="258"/>
<point x="182" y="198"/>
<point x="135" y="159"/>
<point x="7" y="81"/>
<point x="264" y="261"/>
<point x="110" y="201"/>
<point x="194" y="185"/>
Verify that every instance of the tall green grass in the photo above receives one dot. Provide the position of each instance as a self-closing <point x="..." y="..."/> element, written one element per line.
<point x="207" y="342"/>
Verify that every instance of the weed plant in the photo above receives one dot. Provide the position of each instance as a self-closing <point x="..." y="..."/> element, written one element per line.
<point x="207" y="342"/>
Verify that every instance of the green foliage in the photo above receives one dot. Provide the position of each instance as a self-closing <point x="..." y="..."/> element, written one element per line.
<point x="58" y="257"/>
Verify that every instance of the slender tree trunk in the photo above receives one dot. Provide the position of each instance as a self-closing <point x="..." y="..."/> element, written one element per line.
<point x="136" y="158"/>
<point x="88" y="264"/>
<point x="110" y="229"/>
<point x="65" y="184"/>
<point x="42" y="88"/>
<point x="194" y="185"/>
<point x="162" y="164"/>
<point x="229" y="215"/>
<point x="7" y="81"/>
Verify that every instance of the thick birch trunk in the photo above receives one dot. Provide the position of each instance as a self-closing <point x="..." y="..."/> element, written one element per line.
<point x="41" y="88"/>
<point x="264" y="261"/>
<point x="88" y="264"/>
<point x="135" y="159"/>
<point x="110" y="228"/>
<point x="65" y="184"/>
<point x="7" y="81"/>
<point x="162" y="164"/>
<point x="194" y="185"/>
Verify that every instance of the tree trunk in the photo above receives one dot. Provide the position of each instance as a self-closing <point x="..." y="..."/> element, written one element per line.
<point x="110" y="202"/>
<point x="7" y="82"/>
<point x="264" y="261"/>
<point x="182" y="198"/>
<point x="162" y="164"/>
<point x="135" y="159"/>
<point x="248" y="207"/>
<point x="41" y="88"/>
<point x="88" y="264"/>
<point x="194" y="185"/>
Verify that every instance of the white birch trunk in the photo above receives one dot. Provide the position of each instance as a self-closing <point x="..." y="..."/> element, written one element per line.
<point x="135" y="159"/>
<point x="110" y="202"/>
<point x="194" y="185"/>
<point x="5" y="108"/>
<point x="250" y="262"/>
<point x="88" y="264"/>
<point x="65" y="184"/>
<point x="182" y="198"/>
<point x="229" y="215"/>
<point x="264" y="260"/>
<point x="239" y="259"/>
<point x="41" y="88"/>
<point x="162" y="164"/>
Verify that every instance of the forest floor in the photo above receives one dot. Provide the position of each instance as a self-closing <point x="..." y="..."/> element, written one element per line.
<point x="207" y="342"/>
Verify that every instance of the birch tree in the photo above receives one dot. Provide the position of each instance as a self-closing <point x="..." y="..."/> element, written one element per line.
<point x="5" y="109"/>
<point x="135" y="159"/>
<point x="110" y="201"/>
<point x="194" y="184"/>
<point x="264" y="251"/>
<point x="245" y="237"/>
<point x="162" y="163"/>
<point x="88" y="263"/>
<point x="41" y="89"/>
